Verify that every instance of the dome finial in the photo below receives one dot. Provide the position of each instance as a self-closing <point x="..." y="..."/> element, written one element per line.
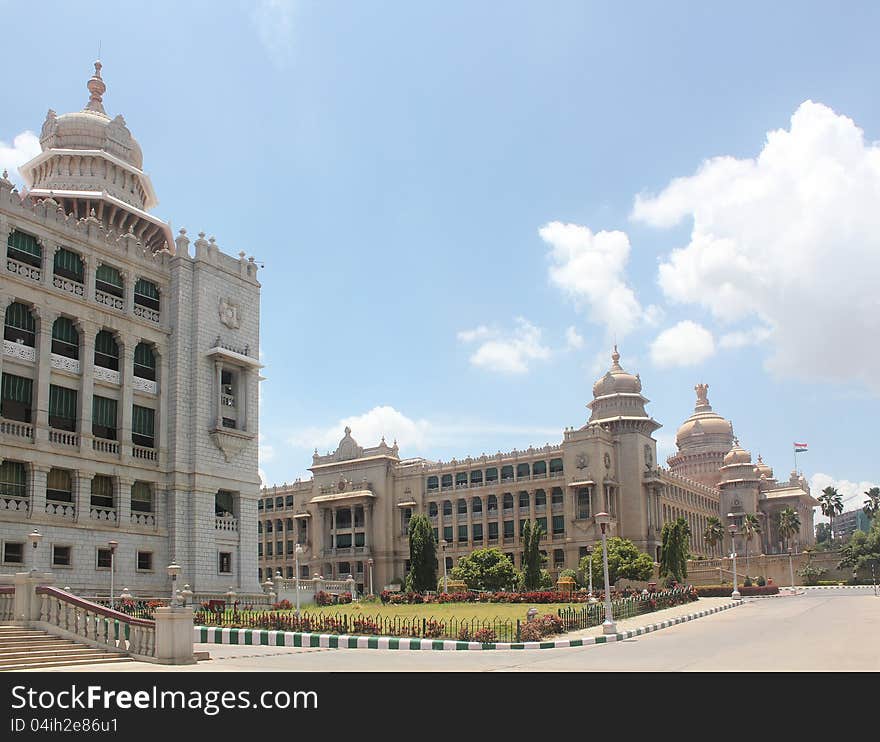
<point x="615" y="358"/>
<point x="97" y="88"/>
<point x="702" y="391"/>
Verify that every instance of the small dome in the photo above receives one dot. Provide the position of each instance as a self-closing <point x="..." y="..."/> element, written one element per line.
<point x="616" y="380"/>
<point x="92" y="128"/>
<point x="763" y="469"/>
<point x="737" y="455"/>
<point x="703" y="422"/>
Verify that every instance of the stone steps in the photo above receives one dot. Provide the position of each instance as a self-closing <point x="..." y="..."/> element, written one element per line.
<point x="22" y="648"/>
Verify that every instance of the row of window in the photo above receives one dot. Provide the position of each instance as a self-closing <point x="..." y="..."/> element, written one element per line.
<point x="524" y="501"/>
<point x="62" y="556"/>
<point x="16" y="403"/>
<point x="68" y="264"/>
<point x="20" y="326"/>
<point x="267" y="573"/>
<point x="476" y="478"/>
<point x="279" y="502"/>
<point x="59" y="487"/>
<point x="461" y="531"/>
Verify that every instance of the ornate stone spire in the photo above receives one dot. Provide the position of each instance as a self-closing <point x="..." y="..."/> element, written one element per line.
<point x="702" y="391"/>
<point x="615" y="360"/>
<point x="97" y="88"/>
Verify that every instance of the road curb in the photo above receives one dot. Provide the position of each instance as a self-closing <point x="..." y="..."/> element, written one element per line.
<point x="265" y="637"/>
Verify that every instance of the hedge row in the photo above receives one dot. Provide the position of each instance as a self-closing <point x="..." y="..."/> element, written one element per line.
<point x="724" y="591"/>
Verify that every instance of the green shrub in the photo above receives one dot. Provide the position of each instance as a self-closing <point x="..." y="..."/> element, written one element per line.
<point x="747" y="582"/>
<point x="760" y="582"/>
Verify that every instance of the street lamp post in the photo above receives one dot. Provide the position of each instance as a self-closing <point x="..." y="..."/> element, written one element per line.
<point x="735" y="595"/>
<point x="297" y="554"/>
<point x="608" y="626"/>
<point x="34" y="537"/>
<point x="790" y="569"/>
<point x="370" y="564"/>
<point x="592" y="599"/>
<point x="113" y="546"/>
<point x="173" y="570"/>
<point x="443" y="546"/>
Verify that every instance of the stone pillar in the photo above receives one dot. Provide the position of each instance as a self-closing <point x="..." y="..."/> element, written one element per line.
<point x="368" y="526"/>
<point x="26" y="603"/>
<point x="126" y="377"/>
<point x="241" y="400"/>
<point x="163" y="432"/>
<point x="532" y="512"/>
<point x="87" y="389"/>
<point x="174" y="636"/>
<point x="470" y="522"/>
<point x="218" y="372"/>
<point x="43" y="370"/>
<point x="83" y="494"/>
<point x="39" y="474"/>
<point x="123" y="501"/>
<point x="90" y="267"/>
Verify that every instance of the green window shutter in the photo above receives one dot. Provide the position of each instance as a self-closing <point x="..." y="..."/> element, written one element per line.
<point x="60" y="480"/>
<point x="13" y="478"/>
<point x="17" y="388"/>
<point x="62" y="402"/>
<point x="142" y="497"/>
<point x="104" y="411"/>
<point x="69" y="263"/>
<point x="102" y="487"/>
<point x="146" y="288"/>
<point x="142" y="420"/>
<point x="105" y="343"/>
<point x="20" y="317"/>
<point x="64" y="330"/>
<point x="110" y="275"/>
<point x="144" y="356"/>
<point x="24" y="243"/>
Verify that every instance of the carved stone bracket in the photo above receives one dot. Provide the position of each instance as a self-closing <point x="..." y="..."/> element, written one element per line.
<point x="230" y="443"/>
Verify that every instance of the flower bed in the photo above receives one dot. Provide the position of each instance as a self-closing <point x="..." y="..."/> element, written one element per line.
<point x="537" y="596"/>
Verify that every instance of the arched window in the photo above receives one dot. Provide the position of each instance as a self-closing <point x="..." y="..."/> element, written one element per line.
<point x="106" y="350"/>
<point x="59" y="486"/>
<point x="102" y="491"/>
<point x="461" y="479"/>
<point x="142" y="497"/>
<point x="16" y="393"/>
<point x="508" y="501"/>
<point x="523" y="500"/>
<point x="555" y="467"/>
<point x="491" y="475"/>
<point x="65" y="338"/>
<point x="433" y="483"/>
<point x="146" y="293"/>
<point x="13" y="479"/>
<point x="522" y="471"/>
<point x="144" y="361"/>
<point x="476" y="505"/>
<point x="539" y="469"/>
<point x="446" y="481"/>
<point x="556" y="496"/>
<point x="24" y="248"/>
<point x="492" y="504"/>
<point x="109" y="280"/>
<point x="62" y="408"/>
<point x="461" y="506"/>
<point x="540" y="497"/>
<point x="432" y="509"/>
<point x="447" y="507"/>
<point x="19" y="325"/>
<point x="506" y="473"/>
<point x="68" y="265"/>
<point x="476" y="478"/>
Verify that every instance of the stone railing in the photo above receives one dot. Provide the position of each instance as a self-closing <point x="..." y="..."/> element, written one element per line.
<point x="10" y="502"/>
<point x="16" y="429"/>
<point x="147" y="520"/>
<point x="7" y="600"/>
<point x="64" y="510"/>
<point x="95" y="624"/>
<point x="23" y="269"/>
<point x="105" y="446"/>
<point x="19" y="351"/>
<point x="147" y="454"/>
<point x="146" y="313"/>
<point x="65" y="284"/>
<point x="108" y="300"/>
<point x="145" y="385"/>
<point x="225" y="523"/>
<point x="96" y="512"/>
<point x="63" y="363"/>
<point x="63" y="437"/>
<point x="106" y="374"/>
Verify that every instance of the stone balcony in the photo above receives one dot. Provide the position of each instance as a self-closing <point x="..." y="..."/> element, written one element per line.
<point x="19" y="351"/>
<point x="23" y="269"/>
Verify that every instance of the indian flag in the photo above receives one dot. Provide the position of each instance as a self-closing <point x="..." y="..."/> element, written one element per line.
<point x="800" y="447"/>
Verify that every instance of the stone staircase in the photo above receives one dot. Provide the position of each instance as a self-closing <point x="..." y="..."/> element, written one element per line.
<point x="22" y="648"/>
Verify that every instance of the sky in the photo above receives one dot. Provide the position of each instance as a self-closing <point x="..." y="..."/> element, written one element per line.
<point x="462" y="206"/>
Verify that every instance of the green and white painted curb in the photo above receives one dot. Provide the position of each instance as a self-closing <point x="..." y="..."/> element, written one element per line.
<point x="837" y="587"/>
<point x="267" y="638"/>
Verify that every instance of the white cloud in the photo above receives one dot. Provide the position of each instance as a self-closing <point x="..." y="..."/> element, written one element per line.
<point x="792" y="238"/>
<point x="263" y="481"/>
<point x="507" y="352"/>
<point x="684" y="344"/>
<point x="742" y="338"/>
<point x="573" y="339"/>
<point x="273" y="20"/>
<point x="589" y="268"/>
<point x="853" y="493"/>
<point x="25" y="146"/>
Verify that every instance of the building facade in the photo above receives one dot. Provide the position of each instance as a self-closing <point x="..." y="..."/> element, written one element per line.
<point x="129" y="375"/>
<point x="846" y="524"/>
<point x="356" y="508"/>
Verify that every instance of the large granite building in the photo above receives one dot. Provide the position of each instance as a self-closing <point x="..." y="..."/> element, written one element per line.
<point x="129" y="375"/>
<point x="357" y="505"/>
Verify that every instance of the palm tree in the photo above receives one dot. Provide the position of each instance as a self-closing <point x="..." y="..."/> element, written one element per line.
<point x="872" y="504"/>
<point x="714" y="533"/>
<point x="831" y="504"/>
<point x="788" y="523"/>
<point x="751" y="526"/>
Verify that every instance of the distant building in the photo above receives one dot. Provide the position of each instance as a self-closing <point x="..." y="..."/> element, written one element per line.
<point x="846" y="524"/>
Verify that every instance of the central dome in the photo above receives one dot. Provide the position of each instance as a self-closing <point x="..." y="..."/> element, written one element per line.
<point x="704" y="422"/>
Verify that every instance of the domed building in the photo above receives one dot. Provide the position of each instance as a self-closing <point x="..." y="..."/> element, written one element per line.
<point x="129" y="374"/>
<point x="702" y="440"/>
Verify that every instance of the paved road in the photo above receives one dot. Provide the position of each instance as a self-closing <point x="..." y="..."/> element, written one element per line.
<point x="820" y="630"/>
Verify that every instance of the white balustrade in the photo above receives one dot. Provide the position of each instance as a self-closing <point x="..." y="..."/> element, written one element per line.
<point x="103" y="445"/>
<point x="146" y="313"/>
<point x="108" y="300"/>
<point x="96" y="512"/>
<point x="13" y="503"/>
<point x="63" y="437"/>
<point x="64" y="510"/>
<point x="144" y="453"/>
<point x="23" y="269"/>
<point x="19" y="351"/>
<point x="226" y="523"/>
<point x="65" y="284"/>
<point x="106" y="374"/>
<point x="16" y="429"/>
<point x="147" y="520"/>
<point x="63" y="363"/>
<point x="145" y="385"/>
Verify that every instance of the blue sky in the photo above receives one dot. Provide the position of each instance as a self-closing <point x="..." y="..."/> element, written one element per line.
<point x="460" y="206"/>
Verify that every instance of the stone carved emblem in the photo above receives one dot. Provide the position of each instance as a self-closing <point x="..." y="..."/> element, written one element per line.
<point x="607" y="460"/>
<point x="649" y="457"/>
<point x="230" y="313"/>
<point x="583" y="461"/>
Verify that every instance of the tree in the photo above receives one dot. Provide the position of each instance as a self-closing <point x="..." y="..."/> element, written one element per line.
<point x="422" y="555"/>
<point x="751" y="527"/>
<point x="823" y="532"/>
<point x="674" y="550"/>
<point x="862" y="551"/>
<point x="714" y="533"/>
<point x="532" y="557"/>
<point x="872" y="504"/>
<point x="486" y="569"/>
<point x="625" y="561"/>
<point x="788" y="523"/>
<point x="831" y="504"/>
